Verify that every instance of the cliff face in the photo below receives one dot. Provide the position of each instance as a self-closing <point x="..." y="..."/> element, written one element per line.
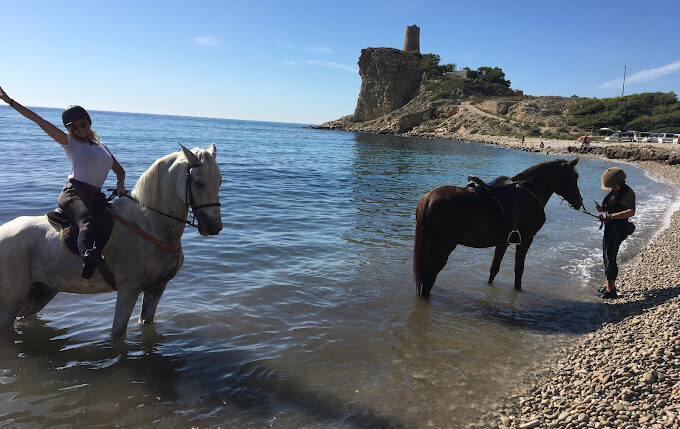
<point x="390" y="78"/>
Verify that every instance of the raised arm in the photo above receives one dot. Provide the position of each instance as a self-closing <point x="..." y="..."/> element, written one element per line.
<point x="58" y="135"/>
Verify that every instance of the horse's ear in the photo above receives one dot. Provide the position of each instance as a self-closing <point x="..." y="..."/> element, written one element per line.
<point x="573" y="162"/>
<point x="190" y="156"/>
<point x="212" y="150"/>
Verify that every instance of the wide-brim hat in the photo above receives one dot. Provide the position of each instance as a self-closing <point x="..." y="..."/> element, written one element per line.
<point x="612" y="176"/>
<point x="74" y="113"/>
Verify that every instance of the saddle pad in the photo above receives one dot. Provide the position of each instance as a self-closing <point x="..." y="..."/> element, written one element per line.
<point x="69" y="234"/>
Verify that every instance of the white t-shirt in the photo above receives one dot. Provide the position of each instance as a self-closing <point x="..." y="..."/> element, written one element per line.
<point x="90" y="163"/>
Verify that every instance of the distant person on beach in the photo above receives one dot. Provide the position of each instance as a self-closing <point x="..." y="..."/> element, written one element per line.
<point x="90" y="161"/>
<point x="541" y="145"/>
<point x="522" y="139"/>
<point x="618" y="206"/>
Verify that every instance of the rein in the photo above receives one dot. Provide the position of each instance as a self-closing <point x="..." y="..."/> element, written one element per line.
<point x="530" y="192"/>
<point x="144" y="235"/>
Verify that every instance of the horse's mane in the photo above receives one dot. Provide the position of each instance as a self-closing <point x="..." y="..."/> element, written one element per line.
<point x="147" y="189"/>
<point x="535" y="170"/>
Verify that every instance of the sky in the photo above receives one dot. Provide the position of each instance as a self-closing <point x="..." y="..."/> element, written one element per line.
<point x="296" y="61"/>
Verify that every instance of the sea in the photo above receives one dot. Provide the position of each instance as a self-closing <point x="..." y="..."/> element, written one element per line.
<point x="302" y="312"/>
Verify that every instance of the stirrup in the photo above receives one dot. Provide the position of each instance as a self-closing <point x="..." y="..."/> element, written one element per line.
<point x="515" y="237"/>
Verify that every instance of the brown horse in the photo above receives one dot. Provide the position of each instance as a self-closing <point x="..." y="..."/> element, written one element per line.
<point x="449" y="216"/>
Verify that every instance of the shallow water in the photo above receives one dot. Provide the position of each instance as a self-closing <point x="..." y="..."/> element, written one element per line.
<point x="302" y="312"/>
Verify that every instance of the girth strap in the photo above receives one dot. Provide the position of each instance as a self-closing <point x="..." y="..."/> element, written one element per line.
<point x="107" y="274"/>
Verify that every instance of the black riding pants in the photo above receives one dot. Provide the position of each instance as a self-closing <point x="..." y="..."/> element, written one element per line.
<point x="614" y="234"/>
<point x="81" y="202"/>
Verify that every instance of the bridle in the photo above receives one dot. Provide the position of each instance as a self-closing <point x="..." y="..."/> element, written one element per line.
<point x="188" y="201"/>
<point x="191" y="204"/>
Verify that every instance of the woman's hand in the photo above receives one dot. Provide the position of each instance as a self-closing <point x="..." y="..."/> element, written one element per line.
<point x="120" y="188"/>
<point x="4" y="96"/>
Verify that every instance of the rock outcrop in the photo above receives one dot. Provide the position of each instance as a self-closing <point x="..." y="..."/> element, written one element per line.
<point x="632" y="152"/>
<point x="390" y="78"/>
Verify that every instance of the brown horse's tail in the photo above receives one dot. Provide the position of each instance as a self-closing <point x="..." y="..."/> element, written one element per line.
<point x="420" y="244"/>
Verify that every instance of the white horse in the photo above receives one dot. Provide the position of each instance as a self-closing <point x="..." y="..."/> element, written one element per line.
<point x="143" y="256"/>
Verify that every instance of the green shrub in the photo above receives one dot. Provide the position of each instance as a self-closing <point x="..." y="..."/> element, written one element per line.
<point x="650" y="111"/>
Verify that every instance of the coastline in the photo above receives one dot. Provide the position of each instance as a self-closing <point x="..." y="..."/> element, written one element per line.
<point x="627" y="373"/>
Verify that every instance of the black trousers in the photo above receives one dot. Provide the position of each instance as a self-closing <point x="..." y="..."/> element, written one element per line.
<point x="614" y="234"/>
<point x="81" y="202"/>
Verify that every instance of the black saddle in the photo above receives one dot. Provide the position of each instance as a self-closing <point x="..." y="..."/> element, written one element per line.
<point x="496" y="184"/>
<point x="69" y="234"/>
<point x="504" y="191"/>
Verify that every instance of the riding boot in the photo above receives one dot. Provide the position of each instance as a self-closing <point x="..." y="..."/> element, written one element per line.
<point x="91" y="259"/>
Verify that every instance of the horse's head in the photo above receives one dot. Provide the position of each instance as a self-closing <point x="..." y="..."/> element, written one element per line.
<point x="200" y="188"/>
<point x="567" y="184"/>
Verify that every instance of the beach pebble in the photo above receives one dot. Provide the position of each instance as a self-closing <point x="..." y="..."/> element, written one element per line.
<point x="530" y="425"/>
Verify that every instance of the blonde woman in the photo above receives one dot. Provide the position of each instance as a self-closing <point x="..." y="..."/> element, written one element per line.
<point x="618" y="206"/>
<point x="81" y="198"/>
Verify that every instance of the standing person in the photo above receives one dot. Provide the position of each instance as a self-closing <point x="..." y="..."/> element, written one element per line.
<point x="81" y="198"/>
<point x="619" y="206"/>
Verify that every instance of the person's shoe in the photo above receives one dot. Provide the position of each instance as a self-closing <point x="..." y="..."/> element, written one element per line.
<point x="91" y="259"/>
<point x="609" y="295"/>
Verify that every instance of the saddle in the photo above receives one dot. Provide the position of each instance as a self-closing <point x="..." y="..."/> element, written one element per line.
<point x="504" y="191"/>
<point x="69" y="234"/>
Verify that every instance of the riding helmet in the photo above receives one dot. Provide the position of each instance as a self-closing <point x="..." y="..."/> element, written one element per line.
<point x="612" y="176"/>
<point x="74" y="113"/>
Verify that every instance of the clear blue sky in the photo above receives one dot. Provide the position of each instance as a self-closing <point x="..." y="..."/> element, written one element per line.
<point x="296" y="61"/>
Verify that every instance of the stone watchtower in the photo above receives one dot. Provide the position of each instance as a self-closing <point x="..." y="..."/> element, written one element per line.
<point x="412" y="40"/>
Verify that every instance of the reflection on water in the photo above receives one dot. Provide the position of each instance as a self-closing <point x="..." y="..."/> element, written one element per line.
<point x="302" y="312"/>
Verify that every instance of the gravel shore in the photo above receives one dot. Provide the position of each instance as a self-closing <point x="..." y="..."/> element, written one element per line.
<point x="627" y="373"/>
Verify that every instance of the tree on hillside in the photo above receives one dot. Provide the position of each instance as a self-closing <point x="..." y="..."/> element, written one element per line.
<point x="650" y="111"/>
<point x="493" y="75"/>
<point x="430" y="66"/>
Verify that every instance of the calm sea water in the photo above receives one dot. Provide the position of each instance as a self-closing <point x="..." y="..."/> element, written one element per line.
<point x="302" y="312"/>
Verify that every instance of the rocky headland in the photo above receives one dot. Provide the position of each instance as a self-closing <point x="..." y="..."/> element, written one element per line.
<point x="398" y="97"/>
<point x="627" y="373"/>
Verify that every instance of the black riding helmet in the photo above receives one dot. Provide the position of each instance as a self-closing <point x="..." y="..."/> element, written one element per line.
<point x="74" y="113"/>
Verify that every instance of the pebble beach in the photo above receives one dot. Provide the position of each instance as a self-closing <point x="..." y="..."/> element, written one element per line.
<point x="627" y="373"/>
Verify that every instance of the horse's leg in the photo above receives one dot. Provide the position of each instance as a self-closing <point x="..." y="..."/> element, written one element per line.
<point x="497" y="258"/>
<point x="38" y="297"/>
<point x="520" y="255"/>
<point x="437" y="256"/>
<point x="15" y="285"/>
<point x="125" y="302"/>
<point x="8" y="313"/>
<point x="150" y="302"/>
